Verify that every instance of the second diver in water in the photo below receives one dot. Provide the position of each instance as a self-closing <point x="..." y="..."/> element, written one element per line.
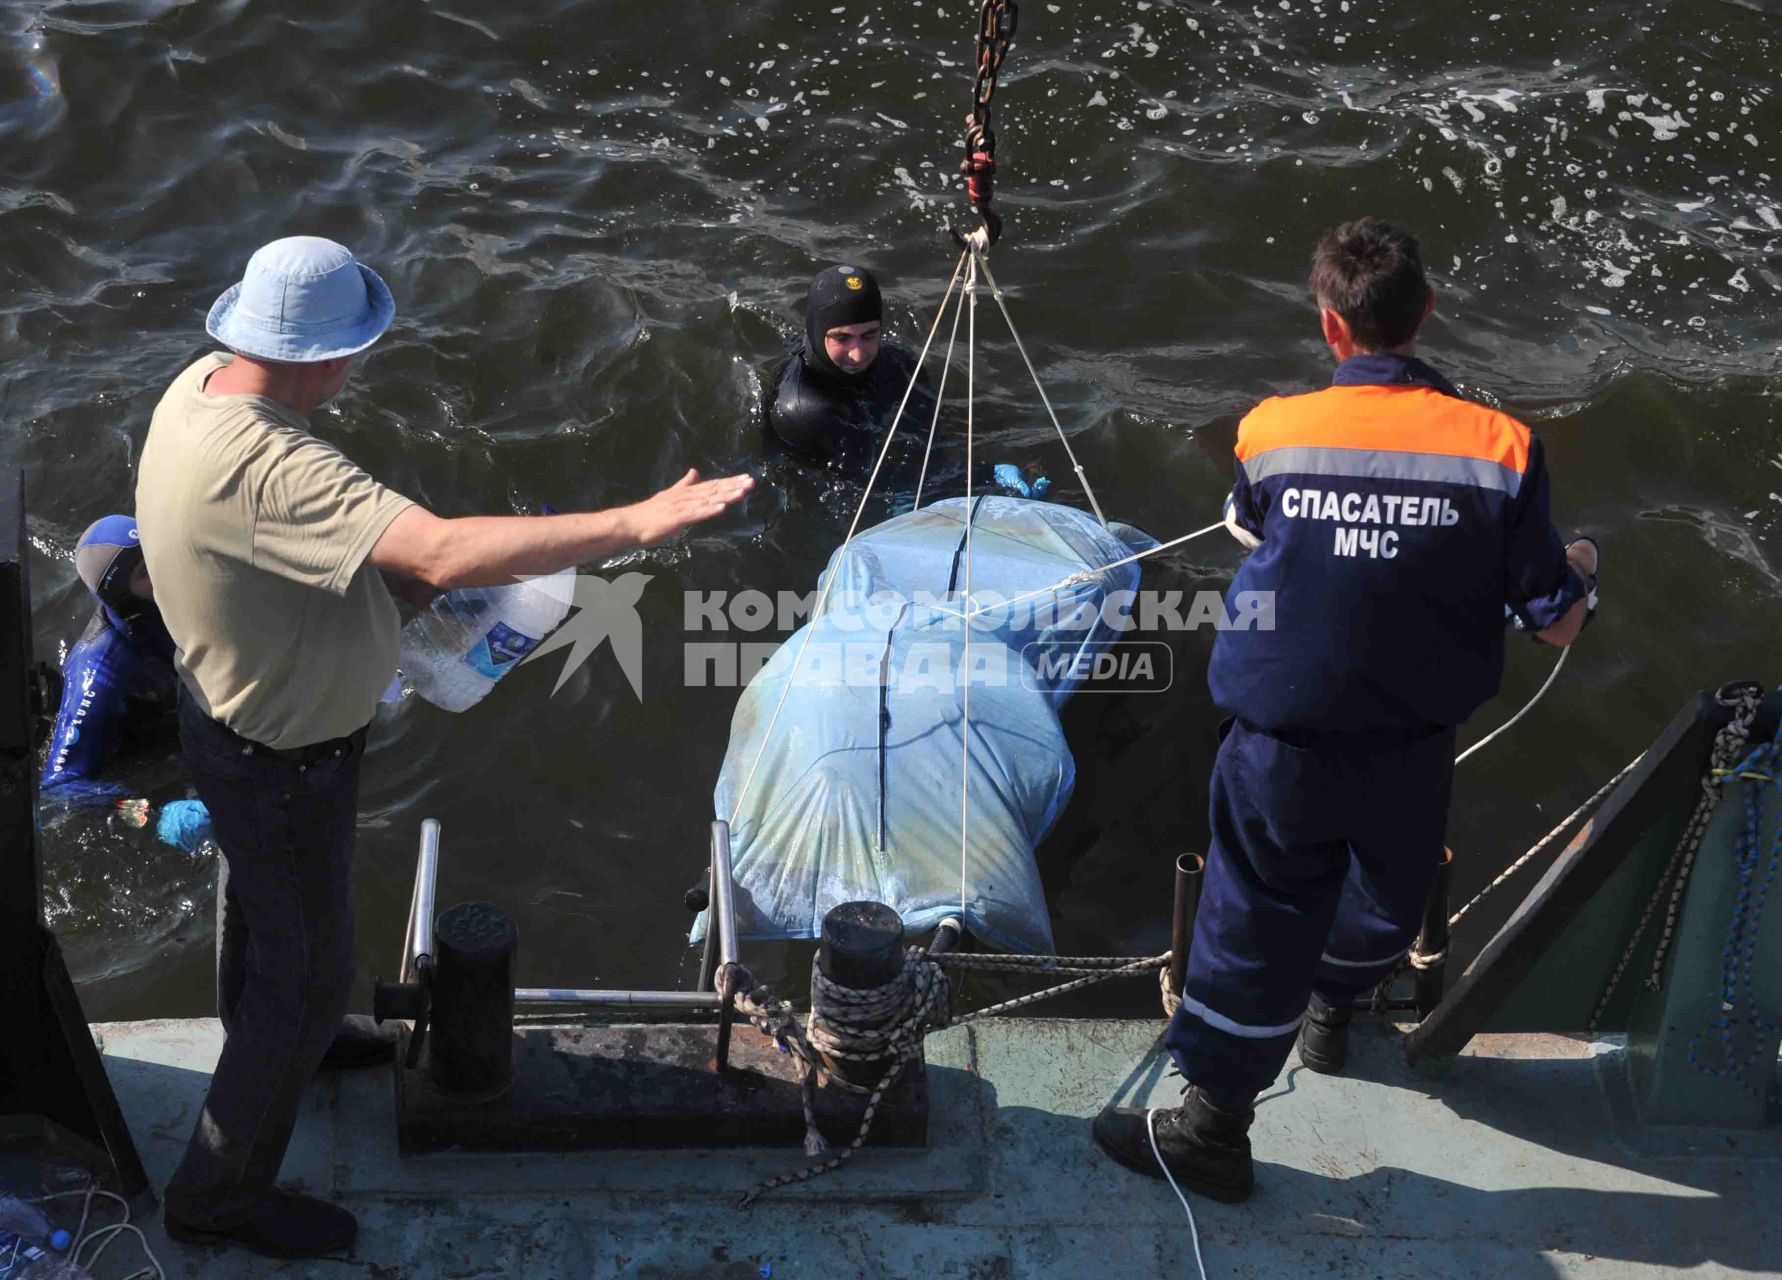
<point x="117" y="683"/>
<point x="834" y="398"/>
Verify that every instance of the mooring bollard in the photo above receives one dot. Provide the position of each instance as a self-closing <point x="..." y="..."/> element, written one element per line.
<point x="1190" y="869"/>
<point x="471" y="1050"/>
<point x="862" y="945"/>
<point x="1429" y="957"/>
<point x="862" y="949"/>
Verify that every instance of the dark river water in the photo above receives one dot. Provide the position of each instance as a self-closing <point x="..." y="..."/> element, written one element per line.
<point x="598" y="220"/>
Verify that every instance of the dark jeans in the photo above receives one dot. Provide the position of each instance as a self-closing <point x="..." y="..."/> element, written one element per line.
<point x="285" y="822"/>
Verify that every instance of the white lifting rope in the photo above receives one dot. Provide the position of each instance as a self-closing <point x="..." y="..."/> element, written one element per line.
<point x="973" y="262"/>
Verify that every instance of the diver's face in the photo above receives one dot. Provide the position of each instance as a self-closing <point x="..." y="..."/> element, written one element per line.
<point x="853" y="347"/>
<point x="140" y="587"/>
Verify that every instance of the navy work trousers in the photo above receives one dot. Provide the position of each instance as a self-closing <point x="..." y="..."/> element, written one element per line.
<point x="285" y="821"/>
<point x="1324" y="850"/>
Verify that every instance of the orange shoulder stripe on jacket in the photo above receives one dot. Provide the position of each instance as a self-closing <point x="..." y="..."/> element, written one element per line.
<point x="1394" y="419"/>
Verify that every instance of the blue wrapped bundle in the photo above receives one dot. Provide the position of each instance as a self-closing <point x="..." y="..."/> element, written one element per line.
<point x="857" y="793"/>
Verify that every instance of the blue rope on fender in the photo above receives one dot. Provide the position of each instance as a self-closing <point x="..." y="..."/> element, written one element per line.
<point x="1739" y="1011"/>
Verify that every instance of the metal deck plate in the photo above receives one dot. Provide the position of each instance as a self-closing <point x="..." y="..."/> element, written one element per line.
<point x="1505" y="1162"/>
<point x="579" y="1088"/>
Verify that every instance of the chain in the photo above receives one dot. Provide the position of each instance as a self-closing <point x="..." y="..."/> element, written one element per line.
<point x="1743" y="698"/>
<point x="996" y="32"/>
<point x="1729" y="745"/>
<point x="888" y="1024"/>
<point x="1739" y="956"/>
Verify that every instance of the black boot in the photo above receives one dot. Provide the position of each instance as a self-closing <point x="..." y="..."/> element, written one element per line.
<point x="285" y="1225"/>
<point x="360" y="1042"/>
<point x="1324" y="1036"/>
<point x="1206" y="1147"/>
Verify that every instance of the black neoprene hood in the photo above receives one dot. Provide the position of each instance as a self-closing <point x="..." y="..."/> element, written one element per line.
<point x="839" y="295"/>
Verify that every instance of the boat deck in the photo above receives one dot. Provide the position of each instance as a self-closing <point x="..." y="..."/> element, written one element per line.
<point x="1515" y="1160"/>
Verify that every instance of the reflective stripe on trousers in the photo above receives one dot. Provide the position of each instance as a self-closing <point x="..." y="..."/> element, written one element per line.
<point x="1320" y="864"/>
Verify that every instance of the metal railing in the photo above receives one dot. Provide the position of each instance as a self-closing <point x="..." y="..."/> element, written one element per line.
<point x="417" y="939"/>
<point x="720" y="947"/>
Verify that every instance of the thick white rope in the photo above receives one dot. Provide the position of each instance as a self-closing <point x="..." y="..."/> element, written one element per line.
<point x="1527" y="707"/>
<point x="1082" y="476"/>
<point x="971" y="352"/>
<point x="940" y="396"/>
<point x="916" y="1002"/>
<point x="1082" y="575"/>
<point x="1088" y="575"/>
<point x="1193" y="1231"/>
<point x="853" y="527"/>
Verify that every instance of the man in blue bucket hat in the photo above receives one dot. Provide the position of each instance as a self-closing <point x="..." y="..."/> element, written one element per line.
<point x="269" y="551"/>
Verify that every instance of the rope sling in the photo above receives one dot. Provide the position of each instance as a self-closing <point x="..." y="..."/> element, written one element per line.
<point x="887" y="1024"/>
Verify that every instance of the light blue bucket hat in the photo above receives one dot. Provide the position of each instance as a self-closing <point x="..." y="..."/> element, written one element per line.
<point x="302" y="299"/>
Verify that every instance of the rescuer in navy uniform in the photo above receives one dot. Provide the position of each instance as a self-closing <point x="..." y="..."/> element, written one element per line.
<point x="1393" y="522"/>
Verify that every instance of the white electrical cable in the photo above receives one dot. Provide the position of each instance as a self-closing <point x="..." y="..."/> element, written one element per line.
<point x="105" y="1235"/>
<point x="1529" y="706"/>
<point x="1193" y="1231"/>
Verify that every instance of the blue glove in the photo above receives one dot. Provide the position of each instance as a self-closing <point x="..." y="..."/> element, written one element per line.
<point x="184" y="824"/>
<point x="1008" y="476"/>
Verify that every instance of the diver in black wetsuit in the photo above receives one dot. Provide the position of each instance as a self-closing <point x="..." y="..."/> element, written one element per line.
<point x="833" y="399"/>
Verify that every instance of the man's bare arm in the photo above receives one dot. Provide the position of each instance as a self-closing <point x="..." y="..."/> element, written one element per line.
<point x="481" y="551"/>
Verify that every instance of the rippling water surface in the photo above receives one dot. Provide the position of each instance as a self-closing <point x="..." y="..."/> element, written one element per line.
<point x="598" y="220"/>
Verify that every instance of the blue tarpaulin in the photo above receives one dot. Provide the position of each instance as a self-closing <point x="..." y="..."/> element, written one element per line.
<point x="857" y="793"/>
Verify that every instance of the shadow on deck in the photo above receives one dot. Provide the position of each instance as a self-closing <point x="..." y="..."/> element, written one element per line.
<point x="1507" y="1161"/>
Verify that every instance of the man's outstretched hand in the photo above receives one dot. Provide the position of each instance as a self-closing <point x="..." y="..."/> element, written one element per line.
<point x="683" y="504"/>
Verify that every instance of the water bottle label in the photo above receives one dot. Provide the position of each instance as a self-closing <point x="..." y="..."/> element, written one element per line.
<point x="498" y="650"/>
<point x="14" y="1252"/>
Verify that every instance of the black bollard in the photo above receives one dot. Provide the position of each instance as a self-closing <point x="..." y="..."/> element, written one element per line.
<point x="862" y="948"/>
<point x="862" y="945"/>
<point x="1189" y="874"/>
<point x="471" y="1049"/>
<point x="1432" y="941"/>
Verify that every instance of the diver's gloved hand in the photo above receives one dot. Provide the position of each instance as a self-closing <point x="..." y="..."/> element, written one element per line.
<point x="1028" y="484"/>
<point x="184" y="824"/>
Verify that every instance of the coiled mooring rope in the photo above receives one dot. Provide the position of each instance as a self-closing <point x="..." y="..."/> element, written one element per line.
<point x="888" y="1024"/>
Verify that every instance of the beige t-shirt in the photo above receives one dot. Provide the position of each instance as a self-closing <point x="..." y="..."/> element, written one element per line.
<point x="256" y="535"/>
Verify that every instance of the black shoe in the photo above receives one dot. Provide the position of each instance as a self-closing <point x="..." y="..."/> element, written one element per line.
<point x="360" y="1042"/>
<point x="286" y="1225"/>
<point x="1324" y="1037"/>
<point x="1205" y="1147"/>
